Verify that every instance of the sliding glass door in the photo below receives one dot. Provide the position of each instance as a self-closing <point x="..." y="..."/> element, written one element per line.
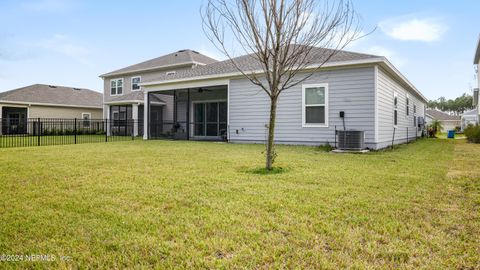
<point x="210" y="119"/>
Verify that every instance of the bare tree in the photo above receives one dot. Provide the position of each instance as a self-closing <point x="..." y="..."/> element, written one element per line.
<point x="280" y="36"/>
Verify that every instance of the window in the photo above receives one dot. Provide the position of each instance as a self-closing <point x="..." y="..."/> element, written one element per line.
<point x="86" y="120"/>
<point x="408" y="106"/>
<point x="116" y="87"/>
<point x="136" y="83"/>
<point x="395" y="109"/>
<point x="414" y="115"/>
<point x="315" y="105"/>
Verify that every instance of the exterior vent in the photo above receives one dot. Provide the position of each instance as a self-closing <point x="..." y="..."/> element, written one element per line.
<point x="475" y="97"/>
<point x="351" y="140"/>
<point x="171" y="73"/>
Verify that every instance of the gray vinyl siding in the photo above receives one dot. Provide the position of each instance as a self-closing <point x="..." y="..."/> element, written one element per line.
<point x="386" y="87"/>
<point x="351" y="90"/>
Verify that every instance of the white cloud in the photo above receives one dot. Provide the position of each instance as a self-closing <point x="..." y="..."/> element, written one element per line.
<point x="47" y="5"/>
<point x="391" y="55"/>
<point x="64" y="45"/>
<point x="408" y="28"/>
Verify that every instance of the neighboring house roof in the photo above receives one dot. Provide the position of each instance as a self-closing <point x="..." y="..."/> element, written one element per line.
<point x="439" y="115"/>
<point x="248" y="63"/>
<point x="180" y="58"/>
<point x="53" y="95"/>
<point x="476" y="59"/>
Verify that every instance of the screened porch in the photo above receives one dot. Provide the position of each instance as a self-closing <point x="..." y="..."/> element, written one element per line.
<point x="188" y="114"/>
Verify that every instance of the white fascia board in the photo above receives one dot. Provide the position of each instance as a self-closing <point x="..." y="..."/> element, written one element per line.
<point x="186" y="84"/>
<point x="50" y="104"/>
<point x="124" y="102"/>
<point x="399" y="75"/>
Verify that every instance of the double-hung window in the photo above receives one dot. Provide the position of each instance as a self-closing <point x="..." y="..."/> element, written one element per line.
<point x="414" y="115"/>
<point x="408" y="106"/>
<point x="136" y="83"/>
<point x="116" y="87"/>
<point x="395" y="109"/>
<point x="315" y="105"/>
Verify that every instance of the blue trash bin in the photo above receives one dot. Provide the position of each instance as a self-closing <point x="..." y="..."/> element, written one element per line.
<point x="451" y="134"/>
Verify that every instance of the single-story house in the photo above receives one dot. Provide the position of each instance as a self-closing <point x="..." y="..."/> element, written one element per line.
<point x="469" y="118"/>
<point x="46" y="101"/>
<point x="449" y="122"/>
<point x="187" y="95"/>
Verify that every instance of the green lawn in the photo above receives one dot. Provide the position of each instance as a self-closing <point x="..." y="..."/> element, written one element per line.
<point x="177" y="204"/>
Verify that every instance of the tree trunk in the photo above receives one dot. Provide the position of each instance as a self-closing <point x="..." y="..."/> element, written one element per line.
<point x="271" y="134"/>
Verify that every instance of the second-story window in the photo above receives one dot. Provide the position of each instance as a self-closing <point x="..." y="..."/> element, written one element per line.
<point x="116" y="87"/>
<point x="136" y="83"/>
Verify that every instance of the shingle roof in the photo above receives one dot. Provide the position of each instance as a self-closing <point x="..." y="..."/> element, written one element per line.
<point x="132" y="96"/>
<point x="439" y="115"/>
<point x="182" y="57"/>
<point x="55" y="95"/>
<point x="135" y="95"/>
<point x="249" y="63"/>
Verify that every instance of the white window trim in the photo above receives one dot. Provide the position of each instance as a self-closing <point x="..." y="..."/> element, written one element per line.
<point x="407" y="105"/>
<point x="86" y="120"/>
<point x="116" y="87"/>
<point x="304" y="86"/>
<point x="395" y="108"/>
<point x="131" y="83"/>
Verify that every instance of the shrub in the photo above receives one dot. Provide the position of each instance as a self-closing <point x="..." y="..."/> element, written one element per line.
<point x="325" y="148"/>
<point x="472" y="133"/>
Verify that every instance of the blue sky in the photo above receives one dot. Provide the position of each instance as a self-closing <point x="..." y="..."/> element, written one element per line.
<point x="69" y="42"/>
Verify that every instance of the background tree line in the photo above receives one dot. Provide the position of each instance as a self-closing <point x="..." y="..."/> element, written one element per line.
<point x="456" y="106"/>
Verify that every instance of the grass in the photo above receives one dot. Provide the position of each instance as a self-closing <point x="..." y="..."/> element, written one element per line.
<point x="445" y="136"/>
<point x="172" y="204"/>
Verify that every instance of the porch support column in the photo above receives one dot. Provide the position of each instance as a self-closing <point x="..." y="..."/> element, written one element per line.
<point x="107" y="119"/>
<point x="1" y="119"/>
<point x="146" y="111"/>
<point x="135" y="119"/>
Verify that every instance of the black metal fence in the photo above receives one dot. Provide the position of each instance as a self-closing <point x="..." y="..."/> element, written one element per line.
<point x="16" y="132"/>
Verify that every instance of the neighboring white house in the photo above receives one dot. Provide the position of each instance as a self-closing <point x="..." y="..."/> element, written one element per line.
<point x="211" y="100"/>
<point x="469" y="118"/>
